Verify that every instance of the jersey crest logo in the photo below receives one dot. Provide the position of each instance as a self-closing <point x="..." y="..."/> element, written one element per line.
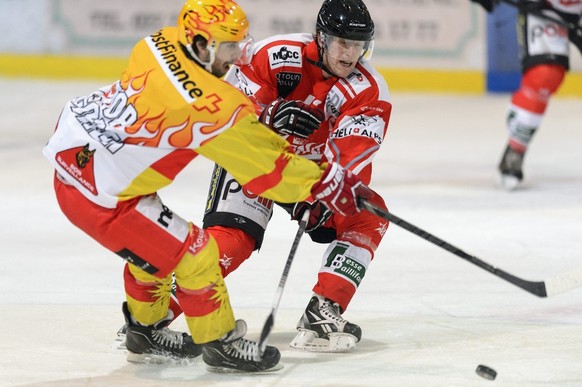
<point x="287" y="82"/>
<point x="280" y="56"/>
<point x="84" y="156"/>
<point x="78" y="162"/>
<point x="357" y="75"/>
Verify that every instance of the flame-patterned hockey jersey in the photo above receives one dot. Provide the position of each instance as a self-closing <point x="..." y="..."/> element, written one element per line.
<point x="133" y="137"/>
<point x="356" y="108"/>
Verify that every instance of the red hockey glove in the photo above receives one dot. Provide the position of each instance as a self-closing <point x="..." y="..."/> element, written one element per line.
<point x="339" y="190"/>
<point x="291" y="117"/>
<point x="318" y="214"/>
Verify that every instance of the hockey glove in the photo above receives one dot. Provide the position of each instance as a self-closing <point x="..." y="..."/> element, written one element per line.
<point x="291" y="117"/>
<point x="575" y="36"/>
<point x="339" y="190"/>
<point x="489" y="5"/>
<point x="318" y="214"/>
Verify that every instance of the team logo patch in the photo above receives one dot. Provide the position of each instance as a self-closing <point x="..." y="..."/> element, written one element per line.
<point x="78" y="162"/>
<point x="364" y="126"/>
<point x="280" y="56"/>
<point x="287" y="82"/>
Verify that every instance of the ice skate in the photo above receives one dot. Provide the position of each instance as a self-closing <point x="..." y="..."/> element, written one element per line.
<point x="158" y="344"/>
<point x="510" y="171"/>
<point x="323" y="329"/>
<point x="234" y="354"/>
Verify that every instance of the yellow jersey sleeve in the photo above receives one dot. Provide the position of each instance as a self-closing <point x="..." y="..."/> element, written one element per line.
<point x="262" y="161"/>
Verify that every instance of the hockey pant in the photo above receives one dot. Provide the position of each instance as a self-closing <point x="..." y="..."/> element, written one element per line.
<point x="237" y="219"/>
<point x="156" y="243"/>
<point x="544" y="51"/>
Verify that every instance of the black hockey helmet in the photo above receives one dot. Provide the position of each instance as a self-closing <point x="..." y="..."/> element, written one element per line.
<point x="348" y="19"/>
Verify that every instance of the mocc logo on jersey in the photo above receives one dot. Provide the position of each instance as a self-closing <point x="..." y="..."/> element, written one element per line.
<point x="78" y="162"/>
<point x="280" y="56"/>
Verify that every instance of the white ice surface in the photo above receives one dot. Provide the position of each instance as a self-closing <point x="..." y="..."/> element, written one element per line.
<point x="428" y="317"/>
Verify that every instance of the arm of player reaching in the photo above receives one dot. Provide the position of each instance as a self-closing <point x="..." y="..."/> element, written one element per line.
<point x="263" y="163"/>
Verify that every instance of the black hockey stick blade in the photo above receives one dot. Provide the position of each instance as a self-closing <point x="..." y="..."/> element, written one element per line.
<point x="270" y="321"/>
<point x="556" y="285"/>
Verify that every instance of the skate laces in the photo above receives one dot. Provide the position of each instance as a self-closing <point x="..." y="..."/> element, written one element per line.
<point x="242" y="349"/>
<point x="168" y="338"/>
<point x="330" y="310"/>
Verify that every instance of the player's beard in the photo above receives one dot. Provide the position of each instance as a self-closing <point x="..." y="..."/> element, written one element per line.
<point x="220" y="68"/>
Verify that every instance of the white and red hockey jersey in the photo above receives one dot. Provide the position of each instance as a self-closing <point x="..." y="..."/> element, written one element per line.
<point x="357" y="108"/>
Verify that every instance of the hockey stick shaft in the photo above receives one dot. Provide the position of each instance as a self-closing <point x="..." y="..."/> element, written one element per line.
<point x="539" y="13"/>
<point x="559" y="284"/>
<point x="270" y="322"/>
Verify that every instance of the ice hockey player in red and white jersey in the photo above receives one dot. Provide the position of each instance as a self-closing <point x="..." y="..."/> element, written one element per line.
<point x="545" y="58"/>
<point x="114" y="149"/>
<point x="319" y="92"/>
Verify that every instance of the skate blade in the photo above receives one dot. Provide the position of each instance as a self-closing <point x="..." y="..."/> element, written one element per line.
<point x="231" y="371"/>
<point x="338" y="342"/>
<point x="508" y="182"/>
<point x="148" y="358"/>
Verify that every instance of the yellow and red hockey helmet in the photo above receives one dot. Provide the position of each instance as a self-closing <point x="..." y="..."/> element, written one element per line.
<point x="215" y="20"/>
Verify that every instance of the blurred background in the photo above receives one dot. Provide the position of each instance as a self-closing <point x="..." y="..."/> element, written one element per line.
<point x="450" y="46"/>
<point x="429" y="318"/>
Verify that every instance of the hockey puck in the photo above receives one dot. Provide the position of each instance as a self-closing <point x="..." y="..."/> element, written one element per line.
<point x="486" y="372"/>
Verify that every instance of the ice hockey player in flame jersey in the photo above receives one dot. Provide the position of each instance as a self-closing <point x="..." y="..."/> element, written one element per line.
<point x="115" y="148"/>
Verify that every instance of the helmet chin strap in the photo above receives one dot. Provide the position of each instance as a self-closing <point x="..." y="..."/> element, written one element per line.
<point x="207" y="65"/>
<point x="319" y="63"/>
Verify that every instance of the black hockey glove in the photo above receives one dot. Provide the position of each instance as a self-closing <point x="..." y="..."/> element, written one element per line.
<point x="291" y="117"/>
<point x="535" y="7"/>
<point x="489" y="5"/>
<point x="575" y="36"/>
<point x="317" y="217"/>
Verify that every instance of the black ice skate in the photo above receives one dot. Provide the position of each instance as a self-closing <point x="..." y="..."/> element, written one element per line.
<point x="234" y="354"/>
<point x="510" y="169"/>
<point x="323" y="329"/>
<point x="158" y="344"/>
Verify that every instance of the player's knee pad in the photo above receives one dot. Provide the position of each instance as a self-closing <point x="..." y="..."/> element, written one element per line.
<point x="365" y="229"/>
<point x="544" y="78"/>
<point x="537" y="86"/>
<point x="198" y="267"/>
<point x="202" y="294"/>
<point x="234" y="245"/>
<point x="148" y="297"/>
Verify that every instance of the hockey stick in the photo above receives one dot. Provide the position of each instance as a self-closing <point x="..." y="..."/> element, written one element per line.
<point x="270" y="322"/>
<point x="558" y="284"/>
<point x="540" y="13"/>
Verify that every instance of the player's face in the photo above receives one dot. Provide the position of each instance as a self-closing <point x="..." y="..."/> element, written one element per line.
<point x="341" y="55"/>
<point x="229" y="53"/>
